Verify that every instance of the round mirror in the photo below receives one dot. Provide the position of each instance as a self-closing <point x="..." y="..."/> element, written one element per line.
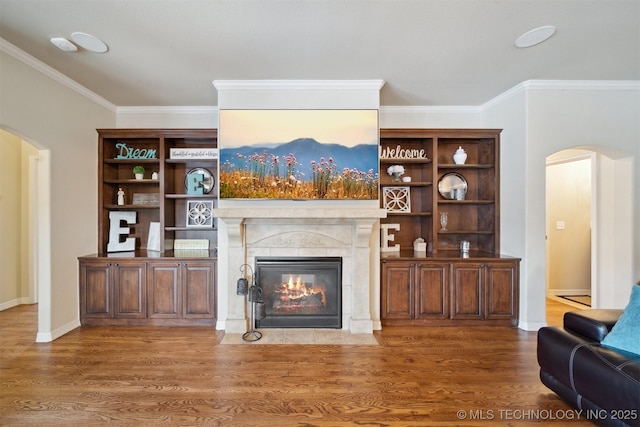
<point x="208" y="181"/>
<point x="452" y="186"/>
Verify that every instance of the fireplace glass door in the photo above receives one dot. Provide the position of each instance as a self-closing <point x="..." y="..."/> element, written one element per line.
<point x="300" y="292"/>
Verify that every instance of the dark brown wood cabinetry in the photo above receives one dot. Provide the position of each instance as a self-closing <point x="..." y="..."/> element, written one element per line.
<point x="152" y="285"/>
<point x="443" y="286"/>
<point x="147" y="291"/>
<point x="413" y="291"/>
<point x="440" y="289"/>
<point x="181" y="290"/>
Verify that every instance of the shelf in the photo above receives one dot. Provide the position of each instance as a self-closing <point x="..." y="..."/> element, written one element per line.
<point x="410" y="160"/>
<point x="409" y="214"/>
<point x="475" y="218"/>
<point x="191" y="196"/>
<point x="465" y="166"/>
<point x="466" y="232"/>
<point x="190" y="229"/>
<point x="161" y="200"/>
<point x="131" y="181"/>
<point x="465" y="202"/>
<point x="407" y="184"/>
<point x="131" y="161"/>
<point x="183" y="161"/>
<point x="129" y="207"/>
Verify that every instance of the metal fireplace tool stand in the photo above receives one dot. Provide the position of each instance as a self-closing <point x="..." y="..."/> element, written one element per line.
<point x="257" y="308"/>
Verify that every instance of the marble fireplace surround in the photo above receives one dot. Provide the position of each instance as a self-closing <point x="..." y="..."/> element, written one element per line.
<point x="351" y="233"/>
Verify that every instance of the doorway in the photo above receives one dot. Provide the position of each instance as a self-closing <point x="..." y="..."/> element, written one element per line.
<point x="606" y="196"/>
<point x="568" y="226"/>
<point x="25" y="212"/>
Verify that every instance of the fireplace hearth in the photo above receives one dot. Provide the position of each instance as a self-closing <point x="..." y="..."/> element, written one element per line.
<point x="300" y="292"/>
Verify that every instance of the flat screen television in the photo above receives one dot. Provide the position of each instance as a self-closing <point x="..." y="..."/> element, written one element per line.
<point x="299" y="154"/>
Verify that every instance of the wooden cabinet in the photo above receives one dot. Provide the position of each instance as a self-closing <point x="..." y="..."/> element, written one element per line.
<point x="427" y="156"/>
<point x="154" y="282"/>
<point x="181" y="290"/>
<point x="443" y="286"/>
<point x="171" y="154"/>
<point x="485" y="291"/>
<point x="441" y="289"/>
<point x="415" y="291"/>
<point x="112" y="289"/>
<point x="147" y="291"/>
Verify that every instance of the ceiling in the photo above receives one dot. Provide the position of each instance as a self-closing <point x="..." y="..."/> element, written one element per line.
<point x="429" y="52"/>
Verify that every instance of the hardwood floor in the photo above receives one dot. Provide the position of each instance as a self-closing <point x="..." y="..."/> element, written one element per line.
<point x="151" y="376"/>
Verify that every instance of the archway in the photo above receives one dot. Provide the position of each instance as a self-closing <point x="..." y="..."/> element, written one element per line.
<point x="611" y="225"/>
<point x="35" y="215"/>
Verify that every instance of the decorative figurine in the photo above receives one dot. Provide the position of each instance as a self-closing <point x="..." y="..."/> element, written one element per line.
<point x="120" y="197"/>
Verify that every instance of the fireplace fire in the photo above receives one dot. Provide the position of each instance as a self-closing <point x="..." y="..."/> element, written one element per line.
<point x="300" y="292"/>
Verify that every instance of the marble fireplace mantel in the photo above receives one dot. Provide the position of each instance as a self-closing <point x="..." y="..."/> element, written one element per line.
<point x="274" y="231"/>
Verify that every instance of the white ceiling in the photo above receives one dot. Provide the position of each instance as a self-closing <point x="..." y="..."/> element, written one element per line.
<point x="429" y="52"/>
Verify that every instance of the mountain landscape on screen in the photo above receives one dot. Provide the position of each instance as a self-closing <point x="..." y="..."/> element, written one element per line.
<point x="303" y="168"/>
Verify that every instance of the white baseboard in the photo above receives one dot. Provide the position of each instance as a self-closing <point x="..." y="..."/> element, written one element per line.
<point x="531" y="326"/>
<point x="567" y="292"/>
<point x="15" y="302"/>
<point x="58" y="332"/>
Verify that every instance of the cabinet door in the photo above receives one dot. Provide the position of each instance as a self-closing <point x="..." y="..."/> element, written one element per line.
<point x="433" y="291"/>
<point x="198" y="289"/>
<point x="164" y="291"/>
<point x="501" y="291"/>
<point x="397" y="290"/>
<point x="130" y="296"/>
<point x="467" y="295"/>
<point x="96" y="290"/>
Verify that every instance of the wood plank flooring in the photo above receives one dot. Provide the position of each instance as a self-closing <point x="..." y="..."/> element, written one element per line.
<point x="181" y="376"/>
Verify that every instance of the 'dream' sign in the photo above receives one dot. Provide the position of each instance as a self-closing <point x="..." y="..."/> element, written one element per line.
<point x="125" y="152"/>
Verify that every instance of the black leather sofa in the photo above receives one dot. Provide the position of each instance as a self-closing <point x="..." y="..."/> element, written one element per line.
<point x="601" y="382"/>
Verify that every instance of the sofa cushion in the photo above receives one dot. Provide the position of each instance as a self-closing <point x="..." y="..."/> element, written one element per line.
<point x="593" y="324"/>
<point x="625" y="335"/>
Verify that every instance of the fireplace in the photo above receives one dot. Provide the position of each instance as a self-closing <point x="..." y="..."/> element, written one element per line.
<point x="250" y="232"/>
<point x="300" y="292"/>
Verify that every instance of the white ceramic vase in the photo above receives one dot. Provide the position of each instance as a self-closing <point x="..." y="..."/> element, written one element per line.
<point x="460" y="156"/>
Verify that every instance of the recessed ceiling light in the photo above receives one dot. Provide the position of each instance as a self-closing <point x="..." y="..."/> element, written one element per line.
<point x="535" y="36"/>
<point x="63" y="44"/>
<point x="89" y="42"/>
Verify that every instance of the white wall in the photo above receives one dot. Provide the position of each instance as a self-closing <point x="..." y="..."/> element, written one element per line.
<point x="603" y="119"/>
<point x="543" y="117"/>
<point x="41" y="108"/>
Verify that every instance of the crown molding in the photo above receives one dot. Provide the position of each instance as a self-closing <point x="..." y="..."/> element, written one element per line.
<point x="582" y="84"/>
<point x="40" y="66"/>
<point x="427" y="109"/>
<point x="299" y="84"/>
<point x="167" y="110"/>
<point x="530" y="85"/>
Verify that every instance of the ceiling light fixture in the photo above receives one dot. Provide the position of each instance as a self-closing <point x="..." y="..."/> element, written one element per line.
<point x="89" y="42"/>
<point x="63" y="44"/>
<point x="535" y="36"/>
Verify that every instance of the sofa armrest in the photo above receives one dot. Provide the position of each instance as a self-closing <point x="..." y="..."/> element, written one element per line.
<point x="593" y="324"/>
